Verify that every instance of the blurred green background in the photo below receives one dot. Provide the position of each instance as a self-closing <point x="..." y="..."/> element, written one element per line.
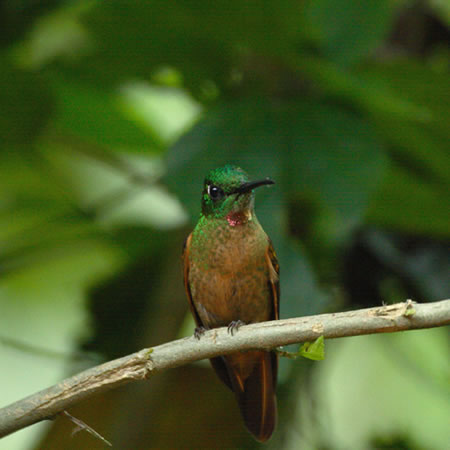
<point x="111" y="114"/>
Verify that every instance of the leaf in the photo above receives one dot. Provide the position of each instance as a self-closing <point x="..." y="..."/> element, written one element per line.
<point x="420" y="84"/>
<point x="310" y="350"/>
<point x="348" y="30"/>
<point x="409" y="204"/>
<point x="334" y="156"/>
<point x="26" y="105"/>
<point x="100" y="116"/>
<point x="313" y="350"/>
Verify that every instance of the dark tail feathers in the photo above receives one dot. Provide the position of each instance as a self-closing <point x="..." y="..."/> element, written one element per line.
<point x="256" y="396"/>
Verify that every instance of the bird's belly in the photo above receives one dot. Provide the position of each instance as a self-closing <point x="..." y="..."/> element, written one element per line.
<point x="241" y="294"/>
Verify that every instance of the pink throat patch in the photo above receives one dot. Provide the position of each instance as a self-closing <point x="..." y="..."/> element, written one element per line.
<point x="235" y="219"/>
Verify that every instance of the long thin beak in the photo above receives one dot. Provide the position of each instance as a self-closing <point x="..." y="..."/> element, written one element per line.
<point x="247" y="187"/>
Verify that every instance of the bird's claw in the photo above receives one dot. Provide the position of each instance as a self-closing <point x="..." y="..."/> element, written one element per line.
<point x="199" y="332"/>
<point x="234" y="326"/>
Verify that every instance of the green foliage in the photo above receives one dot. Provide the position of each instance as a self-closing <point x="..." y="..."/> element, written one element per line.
<point x="313" y="350"/>
<point x="347" y="30"/>
<point x="112" y="113"/>
<point x="374" y="383"/>
<point x="100" y="117"/>
<point x="310" y="350"/>
<point x="26" y="105"/>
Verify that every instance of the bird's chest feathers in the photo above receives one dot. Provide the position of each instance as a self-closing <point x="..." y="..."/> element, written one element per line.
<point x="229" y="275"/>
<point x="229" y="248"/>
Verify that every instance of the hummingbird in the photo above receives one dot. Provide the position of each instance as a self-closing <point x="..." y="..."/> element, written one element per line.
<point x="231" y="277"/>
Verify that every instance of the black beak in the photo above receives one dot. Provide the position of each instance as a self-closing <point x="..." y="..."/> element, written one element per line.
<point x="247" y="187"/>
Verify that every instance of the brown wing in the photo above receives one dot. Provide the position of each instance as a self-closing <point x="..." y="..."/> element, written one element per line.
<point x="274" y="279"/>
<point x="187" y="288"/>
<point x="274" y="287"/>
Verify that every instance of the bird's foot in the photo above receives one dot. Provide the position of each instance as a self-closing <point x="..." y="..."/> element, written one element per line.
<point x="199" y="332"/>
<point x="234" y="326"/>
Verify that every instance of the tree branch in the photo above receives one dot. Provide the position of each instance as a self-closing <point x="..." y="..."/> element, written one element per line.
<point x="48" y="403"/>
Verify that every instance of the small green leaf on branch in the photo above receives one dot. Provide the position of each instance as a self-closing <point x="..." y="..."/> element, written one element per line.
<point x="311" y="350"/>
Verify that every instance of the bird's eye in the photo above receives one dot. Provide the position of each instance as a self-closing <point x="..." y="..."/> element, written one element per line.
<point x="215" y="192"/>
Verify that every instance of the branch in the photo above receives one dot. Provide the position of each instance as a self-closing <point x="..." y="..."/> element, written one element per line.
<point x="48" y="403"/>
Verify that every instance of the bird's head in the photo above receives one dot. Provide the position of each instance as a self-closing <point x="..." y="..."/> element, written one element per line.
<point x="228" y="193"/>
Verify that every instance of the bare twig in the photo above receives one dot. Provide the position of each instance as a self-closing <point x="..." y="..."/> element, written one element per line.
<point x="267" y="335"/>
<point x="80" y="425"/>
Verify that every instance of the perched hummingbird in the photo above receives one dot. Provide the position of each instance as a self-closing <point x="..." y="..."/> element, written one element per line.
<point x="231" y="277"/>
